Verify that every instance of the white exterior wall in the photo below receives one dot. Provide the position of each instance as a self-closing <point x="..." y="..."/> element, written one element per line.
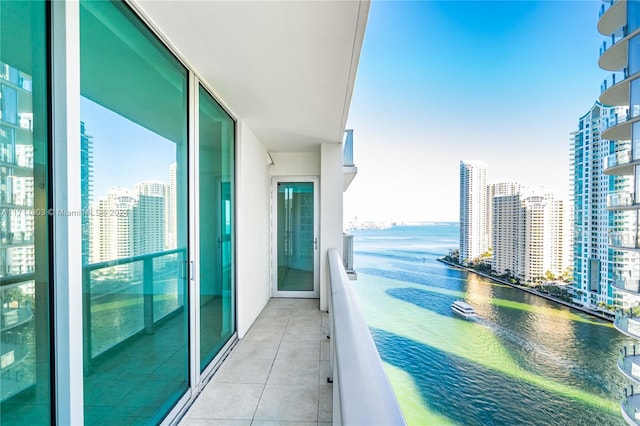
<point x="296" y="164"/>
<point x="331" y="184"/>
<point x="253" y="286"/>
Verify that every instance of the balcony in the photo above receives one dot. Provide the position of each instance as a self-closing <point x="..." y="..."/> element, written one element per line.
<point x="348" y="166"/>
<point x="614" y="90"/>
<point x="276" y="374"/>
<point x="624" y="240"/>
<point x="620" y="200"/>
<point x="618" y="164"/>
<point x="627" y="324"/>
<point x="629" y="362"/>
<point x="618" y="128"/>
<point x="613" y="52"/>
<point x="631" y="406"/>
<point x="626" y="283"/>
<point x="286" y="355"/>
<point x="612" y="15"/>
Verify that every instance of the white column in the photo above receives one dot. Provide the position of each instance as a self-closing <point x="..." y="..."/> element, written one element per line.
<point x="67" y="229"/>
<point x="331" y="183"/>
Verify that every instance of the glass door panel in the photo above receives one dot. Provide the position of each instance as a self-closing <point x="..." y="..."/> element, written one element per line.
<point x="296" y="241"/>
<point x="134" y="190"/>
<point x="25" y="397"/>
<point x="215" y="224"/>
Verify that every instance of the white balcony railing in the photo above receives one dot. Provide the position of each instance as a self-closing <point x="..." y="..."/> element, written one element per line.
<point x="362" y="394"/>
<point x="620" y="199"/>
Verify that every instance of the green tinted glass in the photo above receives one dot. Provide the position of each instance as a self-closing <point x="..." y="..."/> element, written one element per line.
<point x="25" y="397"/>
<point x="134" y="185"/>
<point x="295" y="236"/>
<point x="215" y="227"/>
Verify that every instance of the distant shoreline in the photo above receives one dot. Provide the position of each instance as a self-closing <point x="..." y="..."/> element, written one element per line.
<point x="528" y="290"/>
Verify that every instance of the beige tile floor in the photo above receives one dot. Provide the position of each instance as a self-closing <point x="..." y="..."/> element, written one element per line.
<point x="276" y="375"/>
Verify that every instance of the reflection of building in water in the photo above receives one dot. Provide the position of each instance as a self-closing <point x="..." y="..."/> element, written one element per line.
<point x="479" y="292"/>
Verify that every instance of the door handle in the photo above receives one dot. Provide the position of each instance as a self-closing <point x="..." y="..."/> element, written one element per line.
<point x="315" y="243"/>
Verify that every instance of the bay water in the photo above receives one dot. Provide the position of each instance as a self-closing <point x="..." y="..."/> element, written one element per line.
<point x="524" y="361"/>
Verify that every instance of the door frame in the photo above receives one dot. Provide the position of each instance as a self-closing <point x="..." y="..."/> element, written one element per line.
<point x="274" y="237"/>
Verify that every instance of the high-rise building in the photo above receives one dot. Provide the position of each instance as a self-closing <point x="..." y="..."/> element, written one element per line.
<point x="473" y="210"/>
<point x="497" y="189"/>
<point x="528" y="235"/>
<point x="620" y="23"/>
<point x="592" y="256"/>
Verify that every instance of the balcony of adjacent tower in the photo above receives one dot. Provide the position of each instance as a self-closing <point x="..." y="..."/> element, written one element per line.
<point x="626" y="282"/>
<point x="621" y="200"/>
<point x="618" y="128"/>
<point x="614" y="90"/>
<point x="631" y="407"/>
<point x="619" y="163"/>
<point x="626" y="240"/>
<point x="613" y="15"/>
<point x="628" y="323"/>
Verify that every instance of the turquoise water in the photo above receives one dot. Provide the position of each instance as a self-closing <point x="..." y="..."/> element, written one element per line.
<point x="525" y="360"/>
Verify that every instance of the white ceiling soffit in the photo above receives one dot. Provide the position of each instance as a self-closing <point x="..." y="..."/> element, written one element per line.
<point x="286" y="67"/>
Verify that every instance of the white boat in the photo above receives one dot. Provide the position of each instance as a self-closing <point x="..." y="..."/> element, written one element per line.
<point x="463" y="309"/>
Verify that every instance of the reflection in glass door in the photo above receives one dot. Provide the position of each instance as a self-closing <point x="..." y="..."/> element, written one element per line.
<point x="215" y="224"/>
<point x="296" y="240"/>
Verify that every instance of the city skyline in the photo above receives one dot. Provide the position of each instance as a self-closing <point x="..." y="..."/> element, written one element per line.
<point x="443" y="85"/>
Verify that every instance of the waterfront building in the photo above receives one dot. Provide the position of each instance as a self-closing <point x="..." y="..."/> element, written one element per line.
<point x="497" y="189"/>
<point x="528" y="235"/>
<point x="620" y="23"/>
<point x="249" y="102"/>
<point x="592" y="257"/>
<point x="473" y="210"/>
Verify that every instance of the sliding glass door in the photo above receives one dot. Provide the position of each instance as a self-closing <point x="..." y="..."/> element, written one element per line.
<point x="25" y="396"/>
<point x="135" y="227"/>
<point x="215" y="224"/>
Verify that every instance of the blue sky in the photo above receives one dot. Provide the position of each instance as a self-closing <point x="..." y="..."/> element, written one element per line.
<point x="441" y="81"/>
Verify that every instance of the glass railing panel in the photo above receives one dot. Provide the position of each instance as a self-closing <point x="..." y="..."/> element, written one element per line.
<point x="620" y="199"/>
<point x="117" y="305"/>
<point x="617" y="159"/>
<point x="625" y="239"/>
<point x="614" y="39"/>
<point x="166" y="290"/>
<point x="613" y="79"/>
<point x="623" y="280"/>
<point x="347" y="252"/>
<point x="348" y="148"/>
<point x="614" y="120"/>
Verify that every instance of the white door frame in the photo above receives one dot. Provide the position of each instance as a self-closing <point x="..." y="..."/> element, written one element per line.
<point x="274" y="237"/>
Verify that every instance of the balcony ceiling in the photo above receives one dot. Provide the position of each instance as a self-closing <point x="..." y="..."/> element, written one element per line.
<point x="285" y="67"/>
